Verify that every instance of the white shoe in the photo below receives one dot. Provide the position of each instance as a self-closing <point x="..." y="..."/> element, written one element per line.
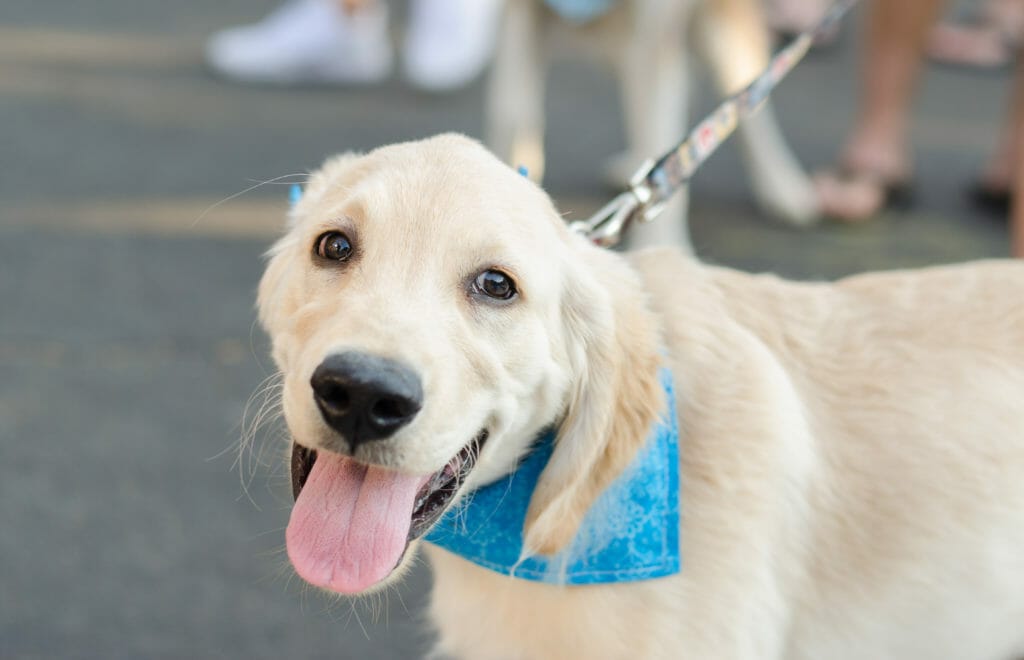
<point x="306" y="41"/>
<point x="449" y="42"/>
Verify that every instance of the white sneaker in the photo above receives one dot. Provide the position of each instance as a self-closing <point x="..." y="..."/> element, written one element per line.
<point x="449" y="42"/>
<point x="306" y="41"/>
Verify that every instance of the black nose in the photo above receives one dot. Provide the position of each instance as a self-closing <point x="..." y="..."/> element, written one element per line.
<point x="365" y="397"/>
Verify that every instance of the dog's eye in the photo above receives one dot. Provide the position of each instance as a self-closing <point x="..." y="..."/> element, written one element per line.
<point x="334" y="245"/>
<point x="495" y="284"/>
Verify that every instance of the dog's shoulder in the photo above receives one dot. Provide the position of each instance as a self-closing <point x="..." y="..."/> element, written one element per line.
<point x="683" y="288"/>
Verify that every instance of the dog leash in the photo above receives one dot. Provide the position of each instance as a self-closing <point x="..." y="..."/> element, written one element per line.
<point x="656" y="181"/>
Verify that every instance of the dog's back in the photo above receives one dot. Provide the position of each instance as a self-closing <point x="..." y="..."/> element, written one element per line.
<point x="900" y="401"/>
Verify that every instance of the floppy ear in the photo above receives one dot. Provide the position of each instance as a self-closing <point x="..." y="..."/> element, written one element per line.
<point x="614" y="351"/>
<point x="272" y="300"/>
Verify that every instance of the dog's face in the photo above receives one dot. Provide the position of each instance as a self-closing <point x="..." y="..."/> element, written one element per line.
<point x="431" y="314"/>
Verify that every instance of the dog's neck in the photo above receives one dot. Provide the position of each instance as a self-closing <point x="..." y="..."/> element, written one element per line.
<point x="630" y="533"/>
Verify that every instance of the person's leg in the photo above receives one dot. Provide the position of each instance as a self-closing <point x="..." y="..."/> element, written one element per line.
<point x="877" y="152"/>
<point x="1017" y="220"/>
<point x="999" y="183"/>
<point x="986" y="37"/>
<point x="993" y="188"/>
<point x="891" y="66"/>
<point x="1015" y="137"/>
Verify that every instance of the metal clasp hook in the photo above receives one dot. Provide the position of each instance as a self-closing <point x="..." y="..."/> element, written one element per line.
<point x="606" y="227"/>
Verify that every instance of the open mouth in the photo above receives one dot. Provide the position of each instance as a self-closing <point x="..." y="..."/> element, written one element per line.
<point x="432" y="498"/>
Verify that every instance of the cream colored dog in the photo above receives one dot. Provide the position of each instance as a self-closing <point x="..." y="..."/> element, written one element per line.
<point x="852" y="454"/>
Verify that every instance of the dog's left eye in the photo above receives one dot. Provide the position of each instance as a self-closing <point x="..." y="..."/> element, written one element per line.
<point x="495" y="284"/>
<point x="334" y="245"/>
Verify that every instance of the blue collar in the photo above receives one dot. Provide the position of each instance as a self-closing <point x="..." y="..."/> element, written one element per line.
<point x="631" y="532"/>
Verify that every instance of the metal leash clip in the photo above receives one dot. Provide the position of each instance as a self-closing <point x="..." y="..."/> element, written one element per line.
<point x="656" y="181"/>
<point x="637" y="204"/>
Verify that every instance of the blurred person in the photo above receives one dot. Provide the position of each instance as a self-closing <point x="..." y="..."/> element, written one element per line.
<point x="1000" y="189"/>
<point x="874" y="167"/>
<point x="1013" y="138"/>
<point x="447" y="43"/>
<point x="988" y="36"/>
<point x="1017" y="227"/>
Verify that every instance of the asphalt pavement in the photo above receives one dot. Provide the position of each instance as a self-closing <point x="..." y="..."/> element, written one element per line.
<point x="128" y="348"/>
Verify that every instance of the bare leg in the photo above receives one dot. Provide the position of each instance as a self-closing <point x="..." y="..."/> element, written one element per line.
<point x="1003" y="174"/>
<point x="1015" y="137"/>
<point x="891" y="67"/>
<point x="989" y="39"/>
<point x="1001" y="171"/>
<point x="878" y="144"/>
<point x="1017" y="221"/>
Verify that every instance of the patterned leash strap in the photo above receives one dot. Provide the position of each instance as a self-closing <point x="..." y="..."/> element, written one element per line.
<point x="657" y="180"/>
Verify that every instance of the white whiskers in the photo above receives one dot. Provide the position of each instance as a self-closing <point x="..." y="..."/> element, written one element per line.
<point x="277" y="179"/>
<point x="262" y="411"/>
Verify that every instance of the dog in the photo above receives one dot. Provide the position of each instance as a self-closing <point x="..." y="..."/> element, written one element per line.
<point x="650" y="44"/>
<point x="851" y="454"/>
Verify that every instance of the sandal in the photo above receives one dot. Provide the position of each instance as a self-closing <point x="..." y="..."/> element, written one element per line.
<point x="983" y="39"/>
<point x="853" y="195"/>
<point x="990" y="198"/>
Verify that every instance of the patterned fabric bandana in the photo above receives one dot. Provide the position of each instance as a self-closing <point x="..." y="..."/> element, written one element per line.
<point x="631" y="532"/>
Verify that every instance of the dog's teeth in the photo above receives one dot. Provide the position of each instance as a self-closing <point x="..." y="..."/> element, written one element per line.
<point x="442" y="486"/>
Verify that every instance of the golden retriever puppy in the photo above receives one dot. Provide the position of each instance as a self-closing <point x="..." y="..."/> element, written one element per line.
<point x="851" y="455"/>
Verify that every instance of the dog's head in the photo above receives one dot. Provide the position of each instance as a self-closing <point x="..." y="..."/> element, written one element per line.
<point x="431" y="314"/>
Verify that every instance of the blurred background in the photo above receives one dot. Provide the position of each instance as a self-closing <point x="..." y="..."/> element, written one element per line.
<point x="129" y="527"/>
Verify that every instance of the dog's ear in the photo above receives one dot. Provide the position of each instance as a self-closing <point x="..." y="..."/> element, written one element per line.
<point x="272" y="299"/>
<point x="614" y="351"/>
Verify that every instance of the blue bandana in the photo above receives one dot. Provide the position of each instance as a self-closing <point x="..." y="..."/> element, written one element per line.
<point x="631" y="532"/>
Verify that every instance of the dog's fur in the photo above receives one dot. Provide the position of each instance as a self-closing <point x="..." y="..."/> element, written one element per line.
<point x="650" y="44"/>
<point x="852" y="454"/>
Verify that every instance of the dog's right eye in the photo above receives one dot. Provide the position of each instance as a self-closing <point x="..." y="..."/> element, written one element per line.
<point x="495" y="284"/>
<point x="334" y="245"/>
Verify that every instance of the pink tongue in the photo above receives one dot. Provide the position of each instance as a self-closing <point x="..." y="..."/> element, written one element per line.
<point x="350" y="523"/>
